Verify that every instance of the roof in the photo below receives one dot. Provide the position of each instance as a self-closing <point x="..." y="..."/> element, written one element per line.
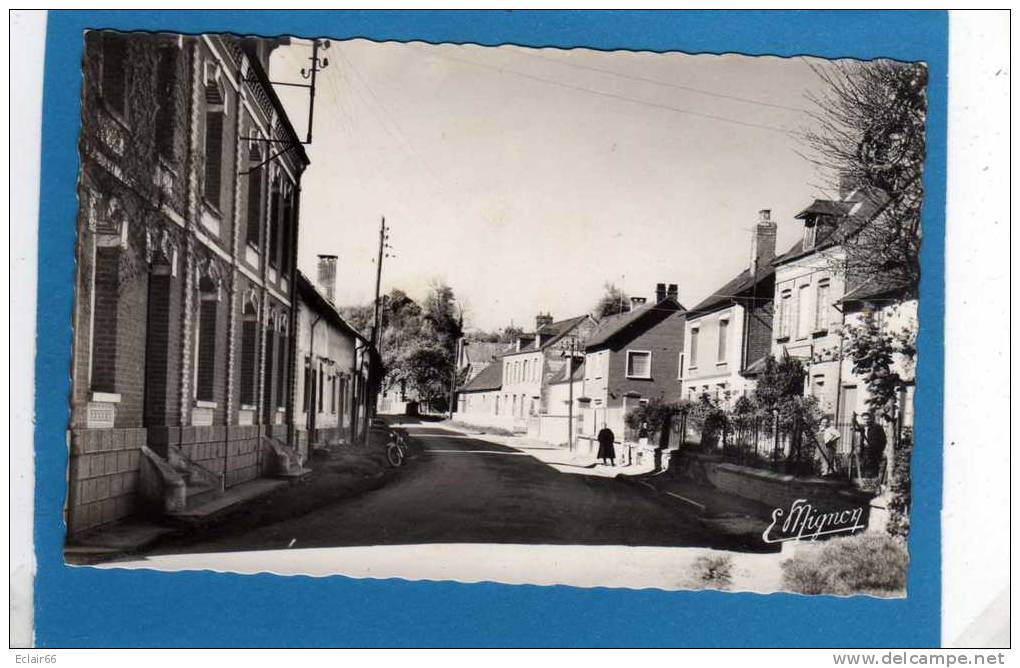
<point x="555" y="331"/>
<point x="735" y="288"/>
<point x="615" y="325"/>
<point x="490" y="378"/>
<point x="825" y="207"/>
<point x="851" y="213"/>
<point x="483" y="351"/>
<point x="311" y="296"/>
<point x="873" y="288"/>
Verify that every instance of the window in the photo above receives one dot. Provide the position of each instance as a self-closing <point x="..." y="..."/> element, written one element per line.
<point x="810" y="234"/>
<point x="213" y="144"/>
<point x="803" y="312"/>
<point x="286" y="231"/>
<point x="307" y="393"/>
<point x="205" y="370"/>
<point x="822" y="306"/>
<point x="105" y="289"/>
<point x="253" y="221"/>
<point x="526" y="376"/>
<point x="724" y="329"/>
<point x="113" y="83"/>
<point x="639" y="364"/>
<point x="694" y="346"/>
<point x="249" y="352"/>
<point x="784" y="314"/>
<point x="281" y="384"/>
<point x="166" y="84"/>
<point x="274" y="224"/>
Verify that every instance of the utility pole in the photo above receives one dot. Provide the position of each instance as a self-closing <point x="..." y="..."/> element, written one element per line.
<point x="457" y="347"/>
<point x="569" y="349"/>
<point x="383" y="235"/>
<point x="376" y="335"/>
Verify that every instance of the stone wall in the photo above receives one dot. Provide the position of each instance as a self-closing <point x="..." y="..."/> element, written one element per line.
<point x="104" y="471"/>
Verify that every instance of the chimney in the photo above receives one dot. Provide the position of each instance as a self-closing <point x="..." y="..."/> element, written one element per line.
<point x="763" y="243"/>
<point x="542" y="320"/>
<point x="660" y="292"/>
<point x="327" y="276"/>
<point x="673" y="291"/>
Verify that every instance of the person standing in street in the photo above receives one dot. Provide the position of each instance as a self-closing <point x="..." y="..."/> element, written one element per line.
<point x="872" y="445"/>
<point x="607" y="452"/>
<point x="828" y="436"/>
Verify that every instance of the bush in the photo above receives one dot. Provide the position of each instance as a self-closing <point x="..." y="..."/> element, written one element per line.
<point x="712" y="572"/>
<point x="868" y="563"/>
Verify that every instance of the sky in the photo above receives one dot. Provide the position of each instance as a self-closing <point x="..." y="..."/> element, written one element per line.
<point x="526" y="179"/>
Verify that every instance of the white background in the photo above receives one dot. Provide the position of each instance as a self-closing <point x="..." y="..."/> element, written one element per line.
<point x="976" y="519"/>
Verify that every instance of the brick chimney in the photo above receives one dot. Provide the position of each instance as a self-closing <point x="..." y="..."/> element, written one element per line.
<point x="327" y="276"/>
<point x="542" y="320"/>
<point x="763" y="243"/>
<point x="660" y="292"/>
<point x="673" y="291"/>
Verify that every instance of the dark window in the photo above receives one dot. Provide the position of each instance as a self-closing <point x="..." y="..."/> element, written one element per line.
<point x="104" y="319"/>
<point x="285" y="233"/>
<point x="114" y="77"/>
<point x="249" y="355"/>
<point x="267" y="394"/>
<point x="166" y="85"/>
<point x="274" y="226"/>
<point x="308" y="385"/>
<point x="206" y="375"/>
<point x="213" y="144"/>
<point x="282" y="374"/>
<point x="254" y="218"/>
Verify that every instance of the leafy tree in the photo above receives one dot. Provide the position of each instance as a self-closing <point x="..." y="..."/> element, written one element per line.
<point x="614" y="301"/>
<point x="780" y="380"/>
<point x="870" y="128"/>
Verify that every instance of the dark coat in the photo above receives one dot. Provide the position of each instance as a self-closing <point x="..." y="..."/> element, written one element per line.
<point x="606" y="449"/>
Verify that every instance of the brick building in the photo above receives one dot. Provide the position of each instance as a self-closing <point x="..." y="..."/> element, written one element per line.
<point x="729" y="333"/>
<point x="182" y="379"/>
<point x="633" y="357"/>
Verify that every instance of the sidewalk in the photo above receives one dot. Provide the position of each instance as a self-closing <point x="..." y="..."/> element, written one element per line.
<point x="345" y="474"/>
<point x="561" y="459"/>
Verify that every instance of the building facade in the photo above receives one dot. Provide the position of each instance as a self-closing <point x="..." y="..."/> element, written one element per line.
<point x="728" y="335"/>
<point x="538" y="358"/>
<point x="816" y="301"/>
<point x="633" y="357"/>
<point x="331" y="381"/>
<point x="187" y="240"/>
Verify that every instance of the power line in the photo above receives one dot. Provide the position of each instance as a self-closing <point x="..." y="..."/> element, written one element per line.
<point x="658" y="82"/>
<point x="593" y="91"/>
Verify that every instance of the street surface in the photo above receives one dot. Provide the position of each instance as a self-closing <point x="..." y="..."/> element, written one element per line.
<point x="465" y="489"/>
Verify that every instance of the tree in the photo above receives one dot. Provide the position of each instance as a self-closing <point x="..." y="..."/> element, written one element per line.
<point x="614" y="301"/>
<point x="870" y="129"/>
<point x="417" y="342"/>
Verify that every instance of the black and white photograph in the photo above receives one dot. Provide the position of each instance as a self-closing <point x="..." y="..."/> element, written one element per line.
<point x="505" y="314"/>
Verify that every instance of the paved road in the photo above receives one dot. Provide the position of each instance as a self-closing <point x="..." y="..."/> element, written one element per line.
<point x="463" y="489"/>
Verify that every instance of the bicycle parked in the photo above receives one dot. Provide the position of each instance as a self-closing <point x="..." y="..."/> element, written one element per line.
<point x="393" y="439"/>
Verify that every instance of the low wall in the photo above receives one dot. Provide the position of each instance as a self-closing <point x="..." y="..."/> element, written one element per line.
<point x="773" y="490"/>
<point x="482" y="420"/>
<point x="104" y="476"/>
<point x="627" y="453"/>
